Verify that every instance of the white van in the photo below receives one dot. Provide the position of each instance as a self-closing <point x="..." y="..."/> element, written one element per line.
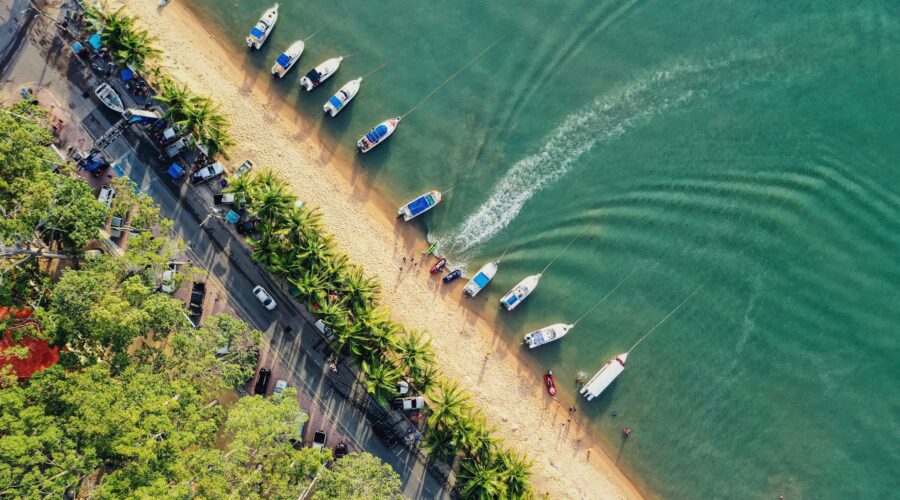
<point x="325" y="331"/>
<point x="106" y="195"/>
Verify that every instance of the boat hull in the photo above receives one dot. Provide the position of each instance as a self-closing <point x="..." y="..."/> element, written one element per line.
<point x="547" y="334"/>
<point x="324" y="71"/>
<point x="420" y="205"/>
<point x="342" y="98"/>
<point x="377" y="135"/>
<point x="286" y="60"/>
<point x="520" y="292"/>
<point x="481" y="279"/>
<point x="260" y="32"/>
<point x="604" y="377"/>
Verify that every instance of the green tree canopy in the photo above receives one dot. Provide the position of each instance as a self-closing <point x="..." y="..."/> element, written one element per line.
<point x="358" y="476"/>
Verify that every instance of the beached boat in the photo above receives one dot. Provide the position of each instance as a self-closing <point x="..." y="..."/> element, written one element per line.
<point x="377" y="135"/>
<point x="453" y="275"/>
<point x="163" y="3"/>
<point x="285" y="61"/>
<point x="260" y="32"/>
<point x="320" y="73"/>
<point x="603" y="378"/>
<point x="519" y="292"/>
<point x="482" y="278"/>
<point x="439" y="265"/>
<point x="342" y="98"/>
<point x="550" y="383"/>
<point x="109" y="97"/>
<point x="547" y="334"/>
<point x="420" y="205"/>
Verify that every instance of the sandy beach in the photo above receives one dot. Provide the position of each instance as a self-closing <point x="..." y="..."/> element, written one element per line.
<point x="568" y="464"/>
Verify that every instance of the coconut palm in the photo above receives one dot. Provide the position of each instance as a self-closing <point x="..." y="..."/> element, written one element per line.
<point x="415" y="352"/>
<point x="334" y="267"/>
<point x="299" y="223"/>
<point x="426" y="379"/>
<point x="479" y="443"/>
<point x="448" y="403"/>
<point x="242" y="188"/>
<point x="199" y="116"/>
<point x="440" y="445"/>
<point x="217" y="141"/>
<point x="359" y="288"/>
<point x="482" y="479"/>
<point x="515" y="471"/>
<point x="265" y="246"/>
<point x="176" y="98"/>
<point x="309" y="284"/>
<point x="273" y="202"/>
<point x="135" y="49"/>
<point x="381" y="378"/>
<point x="318" y="248"/>
<point x="112" y="26"/>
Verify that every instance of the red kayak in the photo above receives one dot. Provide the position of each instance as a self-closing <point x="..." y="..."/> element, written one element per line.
<point x="439" y="265"/>
<point x="550" y="383"/>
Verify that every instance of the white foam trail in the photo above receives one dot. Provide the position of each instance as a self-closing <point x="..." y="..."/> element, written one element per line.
<point x="607" y="117"/>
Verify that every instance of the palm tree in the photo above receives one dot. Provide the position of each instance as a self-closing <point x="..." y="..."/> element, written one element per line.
<point x="176" y="98"/>
<point x="299" y="223"/>
<point x="440" y="445"/>
<point x="242" y="188"/>
<point x="482" y="479"/>
<point x="358" y="288"/>
<point x="319" y="247"/>
<point x="381" y="378"/>
<point x="427" y="378"/>
<point x="217" y="141"/>
<point x="415" y="352"/>
<point x="273" y="202"/>
<point x="309" y="284"/>
<point x="448" y="403"/>
<point x="135" y="49"/>
<point x="515" y="470"/>
<point x="265" y="246"/>
<point x="480" y="443"/>
<point x="199" y="116"/>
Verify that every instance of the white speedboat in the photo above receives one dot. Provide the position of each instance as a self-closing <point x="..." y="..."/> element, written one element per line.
<point x="420" y="205"/>
<point x="285" y="61"/>
<point x="320" y="73"/>
<point x="482" y="278"/>
<point x="519" y="292"/>
<point x="342" y="98"/>
<point x="109" y="97"/>
<point x="603" y="378"/>
<point x="547" y="334"/>
<point x="377" y="135"/>
<point x="260" y="32"/>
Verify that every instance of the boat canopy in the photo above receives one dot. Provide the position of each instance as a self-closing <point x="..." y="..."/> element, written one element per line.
<point x="256" y="33"/>
<point x="314" y="76"/>
<point x="283" y="60"/>
<point x="335" y="102"/>
<point x="420" y="204"/>
<point x="377" y="133"/>
<point x="481" y="280"/>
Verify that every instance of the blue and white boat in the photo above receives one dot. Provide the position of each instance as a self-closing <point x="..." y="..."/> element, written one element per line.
<point x="342" y="98"/>
<point x="520" y="292"/>
<point x="378" y="134"/>
<point x="547" y="334"/>
<point x="420" y="205"/>
<point x="482" y="278"/>
<point x="285" y="61"/>
<point x="320" y="73"/>
<point x="260" y="32"/>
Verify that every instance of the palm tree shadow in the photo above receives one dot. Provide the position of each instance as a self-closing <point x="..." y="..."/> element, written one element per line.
<point x="251" y="72"/>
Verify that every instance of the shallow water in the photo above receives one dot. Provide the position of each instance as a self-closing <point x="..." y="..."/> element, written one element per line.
<point x="748" y="149"/>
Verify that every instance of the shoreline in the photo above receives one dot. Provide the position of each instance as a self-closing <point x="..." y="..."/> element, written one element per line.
<point x="568" y="461"/>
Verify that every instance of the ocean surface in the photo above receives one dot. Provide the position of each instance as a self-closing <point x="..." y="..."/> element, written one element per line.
<point x="750" y="149"/>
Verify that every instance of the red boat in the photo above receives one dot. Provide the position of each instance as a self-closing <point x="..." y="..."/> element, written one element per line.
<point x="550" y="382"/>
<point x="439" y="265"/>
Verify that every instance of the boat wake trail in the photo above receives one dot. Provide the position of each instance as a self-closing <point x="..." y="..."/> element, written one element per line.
<point x="604" y="119"/>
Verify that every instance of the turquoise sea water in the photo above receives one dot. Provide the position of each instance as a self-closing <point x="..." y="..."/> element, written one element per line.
<point x="748" y="147"/>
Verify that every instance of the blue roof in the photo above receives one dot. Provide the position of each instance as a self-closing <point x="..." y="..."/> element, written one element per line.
<point x="256" y="32"/>
<point x="481" y="279"/>
<point x="335" y="102"/>
<point x="94" y="40"/>
<point x="377" y="133"/>
<point x="418" y="205"/>
<point x="175" y="170"/>
<point x="283" y="60"/>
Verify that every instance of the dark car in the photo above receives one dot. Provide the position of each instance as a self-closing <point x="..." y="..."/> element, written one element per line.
<point x="340" y="450"/>
<point x="384" y="433"/>
<point x="262" y="382"/>
<point x="247" y="225"/>
<point x="198" y="291"/>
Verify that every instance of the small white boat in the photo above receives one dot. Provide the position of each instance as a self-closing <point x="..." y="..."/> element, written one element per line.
<point x="260" y="32"/>
<point x="320" y="73"/>
<point x="342" y="98"/>
<point x="517" y="295"/>
<point x="603" y="378"/>
<point x="109" y="97"/>
<point x="482" y="278"/>
<point x="420" y="205"/>
<point x="377" y="135"/>
<point x="163" y="3"/>
<point x="285" y="61"/>
<point x="547" y="334"/>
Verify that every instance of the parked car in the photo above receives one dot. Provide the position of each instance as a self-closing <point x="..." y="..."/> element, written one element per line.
<point x="208" y="172"/>
<point x="198" y="292"/>
<point x="324" y="330"/>
<point x="106" y="195"/>
<point x="172" y="150"/>
<point x="340" y="450"/>
<point x="319" y="439"/>
<point x="223" y="198"/>
<point x="262" y="382"/>
<point x="115" y="226"/>
<point x="410" y="403"/>
<point x="384" y="432"/>
<point x="264" y="298"/>
<point x="247" y="225"/>
<point x="280" y="386"/>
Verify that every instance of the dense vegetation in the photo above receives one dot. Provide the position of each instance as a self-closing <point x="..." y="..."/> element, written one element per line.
<point x="133" y="407"/>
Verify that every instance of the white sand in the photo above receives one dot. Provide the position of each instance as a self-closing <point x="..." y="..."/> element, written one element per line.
<point x="267" y="129"/>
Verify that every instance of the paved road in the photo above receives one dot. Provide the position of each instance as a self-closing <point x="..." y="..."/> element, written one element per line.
<point x="226" y="260"/>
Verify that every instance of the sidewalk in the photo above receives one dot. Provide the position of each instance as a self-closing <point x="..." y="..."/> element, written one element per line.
<point x="336" y="402"/>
